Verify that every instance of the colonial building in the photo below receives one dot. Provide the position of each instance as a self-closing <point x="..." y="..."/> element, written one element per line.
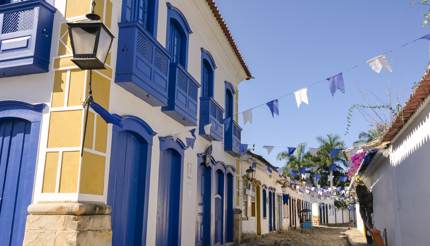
<point x="396" y="173"/>
<point x="173" y="67"/>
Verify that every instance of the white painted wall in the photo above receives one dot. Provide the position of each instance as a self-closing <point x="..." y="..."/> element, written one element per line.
<point x="400" y="184"/>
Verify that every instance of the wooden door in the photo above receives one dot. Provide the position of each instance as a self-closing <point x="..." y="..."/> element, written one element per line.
<point x="126" y="194"/>
<point x="203" y="230"/>
<point x="18" y="148"/>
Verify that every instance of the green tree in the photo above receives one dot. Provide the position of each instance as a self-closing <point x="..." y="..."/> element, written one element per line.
<point x="370" y="135"/>
<point x="324" y="158"/>
<point x="298" y="160"/>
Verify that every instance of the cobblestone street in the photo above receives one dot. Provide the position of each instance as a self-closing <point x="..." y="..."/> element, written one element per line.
<point x="318" y="236"/>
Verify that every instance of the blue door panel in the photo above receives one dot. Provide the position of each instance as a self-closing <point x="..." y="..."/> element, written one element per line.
<point x="17" y="161"/>
<point x="203" y="233"/>
<point x="169" y="194"/>
<point x="127" y="188"/>
<point x="229" y="213"/>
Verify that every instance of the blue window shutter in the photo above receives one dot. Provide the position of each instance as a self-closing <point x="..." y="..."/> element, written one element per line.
<point x="264" y="204"/>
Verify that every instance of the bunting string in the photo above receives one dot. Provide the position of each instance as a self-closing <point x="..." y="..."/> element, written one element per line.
<point x="336" y="82"/>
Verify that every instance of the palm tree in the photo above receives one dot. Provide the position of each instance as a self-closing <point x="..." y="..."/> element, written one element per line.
<point x="325" y="156"/>
<point x="370" y="135"/>
<point x="298" y="160"/>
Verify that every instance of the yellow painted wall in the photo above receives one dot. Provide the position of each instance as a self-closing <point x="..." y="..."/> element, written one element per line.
<point x="66" y="121"/>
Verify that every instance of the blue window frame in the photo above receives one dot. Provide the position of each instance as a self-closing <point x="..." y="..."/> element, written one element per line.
<point x="208" y="74"/>
<point x="143" y="12"/>
<point x="178" y="31"/>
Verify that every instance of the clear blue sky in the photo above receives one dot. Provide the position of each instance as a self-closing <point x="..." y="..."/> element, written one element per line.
<point x="289" y="44"/>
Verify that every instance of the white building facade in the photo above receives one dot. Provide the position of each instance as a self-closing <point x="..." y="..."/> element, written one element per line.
<point x="163" y="169"/>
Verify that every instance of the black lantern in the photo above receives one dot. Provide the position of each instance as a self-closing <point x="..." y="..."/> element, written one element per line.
<point x="91" y="41"/>
<point x="250" y="173"/>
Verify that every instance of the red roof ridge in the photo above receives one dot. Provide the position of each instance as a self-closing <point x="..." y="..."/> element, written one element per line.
<point x="419" y="95"/>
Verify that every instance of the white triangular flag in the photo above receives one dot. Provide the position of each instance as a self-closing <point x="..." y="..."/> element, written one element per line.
<point x="207" y="128"/>
<point x="378" y="63"/>
<point x="269" y="148"/>
<point x="301" y="96"/>
<point x="247" y="116"/>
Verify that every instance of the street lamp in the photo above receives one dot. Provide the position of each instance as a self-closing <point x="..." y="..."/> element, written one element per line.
<point x="91" y="42"/>
<point x="250" y="173"/>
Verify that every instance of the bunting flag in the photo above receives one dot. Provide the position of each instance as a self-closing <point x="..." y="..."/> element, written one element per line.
<point x="243" y="148"/>
<point x="193" y="132"/>
<point x="336" y="83"/>
<point x="207" y="128"/>
<point x="317" y="177"/>
<point x="302" y="170"/>
<point x="269" y="148"/>
<point x="343" y="178"/>
<point x="293" y="172"/>
<point x="108" y="117"/>
<point x="427" y="36"/>
<point x="301" y="96"/>
<point x="274" y="107"/>
<point x="247" y="116"/>
<point x="291" y="151"/>
<point x="378" y="63"/>
<point x="334" y="152"/>
<point x="333" y="167"/>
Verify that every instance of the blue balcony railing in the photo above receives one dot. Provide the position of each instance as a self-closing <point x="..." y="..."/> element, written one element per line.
<point x="25" y="37"/>
<point x="211" y="113"/>
<point x="183" y="93"/>
<point x="232" y="137"/>
<point x="142" y="64"/>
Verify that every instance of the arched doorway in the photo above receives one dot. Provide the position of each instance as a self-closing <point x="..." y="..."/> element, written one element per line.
<point x="19" y="136"/>
<point x="128" y="183"/>
<point x="169" y="192"/>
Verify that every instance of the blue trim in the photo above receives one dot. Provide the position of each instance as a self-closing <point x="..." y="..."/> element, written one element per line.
<point x="206" y="55"/>
<point x="136" y="125"/>
<point x="176" y="14"/>
<point x="32" y="114"/>
<point x="22" y="110"/>
<point x="264" y="197"/>
<point x="139" y="127"/>
<point x="230" y="86"/>
<point x="204" y="201"/>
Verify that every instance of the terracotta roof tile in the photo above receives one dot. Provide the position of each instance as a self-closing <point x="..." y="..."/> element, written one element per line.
<point x="421" y="92"/>
<point x="228" y="35"/>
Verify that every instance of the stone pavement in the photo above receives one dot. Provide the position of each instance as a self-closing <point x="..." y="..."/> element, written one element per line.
<point x="355" y="237"/>
<point x="318" y="236"/>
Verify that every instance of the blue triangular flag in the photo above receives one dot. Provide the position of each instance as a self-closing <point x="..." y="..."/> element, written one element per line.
<point x="291" y="151"/>
<point x="190" y="142"/>
<point x="343" y="178"/>
<point x="243" y="148"/>
<point x="333" y="167"/>
<point x="108" y="117"/>
<point x="302" y="170"/>
<point x="427" y="36"/>
<point x="334" y="152"/>
<point x="336" y="83"/>
<point x="193" y="132"/>
<point x="317" y="177"/>
<point x="274" y="107"/>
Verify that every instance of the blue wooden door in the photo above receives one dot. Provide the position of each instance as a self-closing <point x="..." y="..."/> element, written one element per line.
<point x="270" y="211"/>
<point x="17" y="161"/>
<point x="169" y="195"/>
<point x="203" y="232"/>
<point x="219" y="208"/>
<point x="229" y="211"/>
<point x="126" y="193"/>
